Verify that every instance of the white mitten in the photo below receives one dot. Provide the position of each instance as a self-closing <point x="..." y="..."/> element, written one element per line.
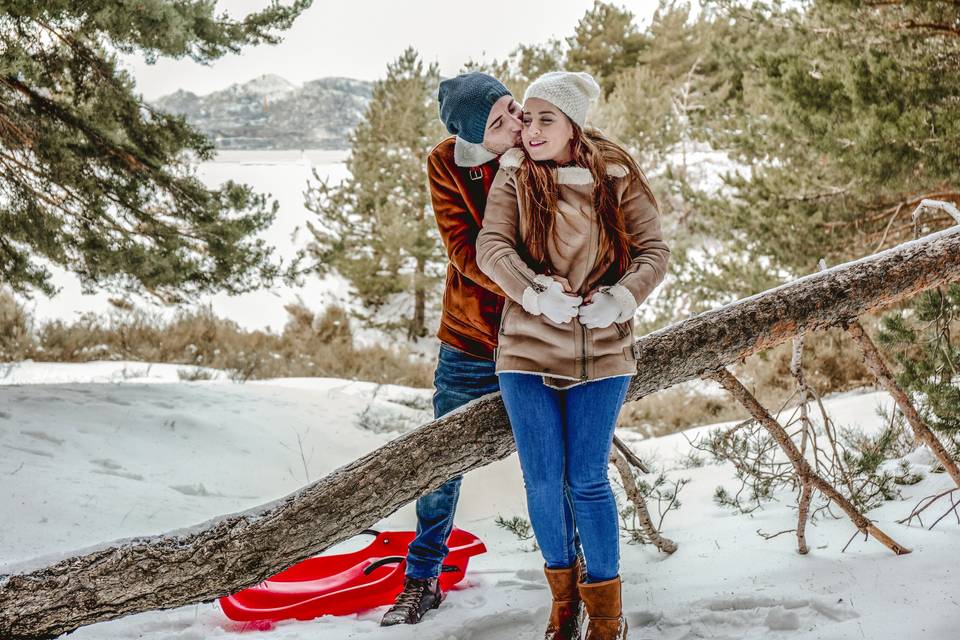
<point x="547" y="297"/>
<point x="608" y="305"/>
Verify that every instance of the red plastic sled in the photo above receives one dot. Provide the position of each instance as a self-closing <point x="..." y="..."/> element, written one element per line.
<point x="346" y="583"/>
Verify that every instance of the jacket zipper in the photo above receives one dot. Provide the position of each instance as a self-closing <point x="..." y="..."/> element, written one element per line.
<point x="536" y="286"/>
<point x="583" y="351"/>
<point x="583" y="329"/>
<point x="621" y="330"/>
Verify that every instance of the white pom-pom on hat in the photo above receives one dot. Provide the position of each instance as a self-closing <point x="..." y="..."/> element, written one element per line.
<point x="570" y="91"/>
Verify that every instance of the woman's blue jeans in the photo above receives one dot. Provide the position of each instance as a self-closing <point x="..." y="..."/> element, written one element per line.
<point x="563" y="439"/>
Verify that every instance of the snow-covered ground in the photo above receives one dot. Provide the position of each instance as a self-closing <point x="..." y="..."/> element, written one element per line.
<point x="100" y="451"/>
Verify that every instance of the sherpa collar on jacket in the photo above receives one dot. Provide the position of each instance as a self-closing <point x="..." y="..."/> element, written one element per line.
<point x="470" y="154"/>
<point x="514" y="157"/>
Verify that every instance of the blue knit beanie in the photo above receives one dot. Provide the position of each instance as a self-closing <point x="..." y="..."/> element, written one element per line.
<point x="465" y="103"/>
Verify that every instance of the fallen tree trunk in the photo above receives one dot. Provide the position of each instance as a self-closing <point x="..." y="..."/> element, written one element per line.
<point x="236" y="551"/>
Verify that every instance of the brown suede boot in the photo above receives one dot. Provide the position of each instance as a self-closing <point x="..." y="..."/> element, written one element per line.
<point x="566" y="614"/>
<point x="604" y="610"/>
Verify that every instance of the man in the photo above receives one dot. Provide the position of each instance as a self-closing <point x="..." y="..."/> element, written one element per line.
<point x="486" y="121"/>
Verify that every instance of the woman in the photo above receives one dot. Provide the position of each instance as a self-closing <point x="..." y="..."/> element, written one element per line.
<point x="571" y="234"/>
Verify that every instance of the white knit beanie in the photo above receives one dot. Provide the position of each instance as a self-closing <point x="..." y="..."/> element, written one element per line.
<point x="571" y="92"/>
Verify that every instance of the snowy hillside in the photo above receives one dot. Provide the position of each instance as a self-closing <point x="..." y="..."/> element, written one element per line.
<point x="101" y="451"/>
<point x="269" y="112"/>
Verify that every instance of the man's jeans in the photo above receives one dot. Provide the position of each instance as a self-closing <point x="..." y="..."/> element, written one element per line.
<point x="459" y="378"/>
<point x="564" y="439"/>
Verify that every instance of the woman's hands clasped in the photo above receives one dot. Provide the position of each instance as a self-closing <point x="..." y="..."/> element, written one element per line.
<point x="551" y="300"/>
<point x="600" y="308"/>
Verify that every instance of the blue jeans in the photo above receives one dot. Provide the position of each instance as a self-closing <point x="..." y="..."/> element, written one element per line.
<point x="458" y="379"/>
<point x="563" y="439"/>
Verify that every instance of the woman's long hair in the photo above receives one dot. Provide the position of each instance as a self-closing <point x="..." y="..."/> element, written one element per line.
<point x="537" y="194"/>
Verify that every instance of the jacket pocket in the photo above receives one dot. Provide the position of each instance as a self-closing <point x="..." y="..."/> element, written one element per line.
<point x="508" y="307"/>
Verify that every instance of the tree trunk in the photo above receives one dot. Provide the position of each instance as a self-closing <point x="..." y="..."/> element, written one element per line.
<point x="239" y="550"/>
<point x="418" y="323"/>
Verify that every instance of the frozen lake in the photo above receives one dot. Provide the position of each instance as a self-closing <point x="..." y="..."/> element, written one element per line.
<point x="282" y="174"/>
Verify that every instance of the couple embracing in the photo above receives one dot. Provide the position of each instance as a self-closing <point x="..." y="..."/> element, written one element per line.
<point x="554" y="240"/>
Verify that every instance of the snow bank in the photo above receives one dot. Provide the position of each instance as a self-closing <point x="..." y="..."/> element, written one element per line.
<point x="85" y="462"/>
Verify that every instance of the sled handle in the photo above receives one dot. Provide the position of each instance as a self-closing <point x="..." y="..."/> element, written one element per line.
<point x="373" y="566"/>
<point x="382" y="561"/>
<point x="369" y="532"/>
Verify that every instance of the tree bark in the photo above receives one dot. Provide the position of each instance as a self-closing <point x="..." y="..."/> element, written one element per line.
<point x="806" y="491"/>
<point x="235" y="551"/>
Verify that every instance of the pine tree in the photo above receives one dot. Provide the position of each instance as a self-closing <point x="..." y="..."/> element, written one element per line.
<point x="847" y="114"/>
<point x="655" y="111"/>
<point x="605" y="42"/>
<point x="95" y="180"/>
<point x="375" y="227"/>
<point x="522" y="66"/>
<point x="654" y="107"/>
<point x="925" y="346"/>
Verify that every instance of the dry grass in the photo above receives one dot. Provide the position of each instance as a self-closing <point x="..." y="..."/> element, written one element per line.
<point x="15" y="329"/>
<point x="322" y="345"/>
<point x="832" y="364"/>
<point x="311" y="345"/>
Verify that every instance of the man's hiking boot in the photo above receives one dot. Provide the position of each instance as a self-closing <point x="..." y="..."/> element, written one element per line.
<point x="417" y="597"/>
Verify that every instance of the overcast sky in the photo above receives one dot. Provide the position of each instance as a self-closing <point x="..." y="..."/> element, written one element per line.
<point x="357" y="38"/>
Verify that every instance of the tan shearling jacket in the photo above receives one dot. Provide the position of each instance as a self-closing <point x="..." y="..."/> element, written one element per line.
<point x="569" y="353"/>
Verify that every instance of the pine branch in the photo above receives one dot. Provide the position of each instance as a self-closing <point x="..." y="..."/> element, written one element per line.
<point x="882" y="373"/>
<point x="802" y="467"/>
<point x="651" y="532"/>
<point x="948" y="29"/>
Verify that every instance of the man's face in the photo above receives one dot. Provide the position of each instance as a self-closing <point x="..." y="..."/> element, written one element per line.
<point x="503" y="125"/>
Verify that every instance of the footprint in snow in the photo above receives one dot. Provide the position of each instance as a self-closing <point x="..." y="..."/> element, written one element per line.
<point x="110" y="468"/>
<point x="526" y="579"/>
<point x="36" y="452"/>
<point x="518" y="625"/>
<point x="42" y="435"/>
<point x="119" y="474"/>
<point x="195" y="490"/>
<point x="742" y="617"/>
<point x="107" y="463"/>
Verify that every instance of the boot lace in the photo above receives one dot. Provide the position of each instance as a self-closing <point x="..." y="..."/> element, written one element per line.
<point x="411" y="594"/>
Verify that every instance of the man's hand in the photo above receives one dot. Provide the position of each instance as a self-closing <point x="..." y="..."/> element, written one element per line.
<point x="550" y="301"/>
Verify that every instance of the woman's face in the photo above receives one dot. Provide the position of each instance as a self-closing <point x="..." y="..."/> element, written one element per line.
<point x="547" y="132"/>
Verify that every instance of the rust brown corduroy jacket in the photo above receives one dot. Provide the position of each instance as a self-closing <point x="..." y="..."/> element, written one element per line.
<point x="569" y="353"/>
<point x="472" y="302"/>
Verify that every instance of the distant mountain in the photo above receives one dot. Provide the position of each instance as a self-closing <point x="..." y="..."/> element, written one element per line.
<point x="270" y="112"/>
